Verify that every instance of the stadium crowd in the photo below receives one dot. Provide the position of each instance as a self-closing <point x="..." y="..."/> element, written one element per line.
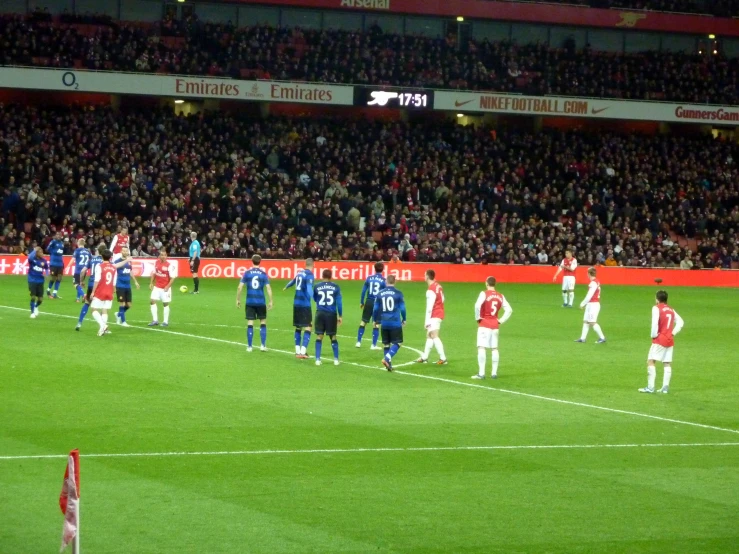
<point x="718" y="8"/>
<point x="338" y="189"/>
<point x="373" y="57"/>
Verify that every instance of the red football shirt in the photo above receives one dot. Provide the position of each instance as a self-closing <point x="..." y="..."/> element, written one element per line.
<point x="119" y="242"/>
<point x="437" y="309"/>
<point x="490" y="309"/>
<point x="105" y="281"/>
<point x="665" y="325"/>
<point x="568" y="266"/>
<point x="162" y="275"/>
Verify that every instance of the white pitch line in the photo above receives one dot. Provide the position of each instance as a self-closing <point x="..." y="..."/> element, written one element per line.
<point x="224" y="341"/>
<point x="370" y="450"/>
<point x="455" y="382"/>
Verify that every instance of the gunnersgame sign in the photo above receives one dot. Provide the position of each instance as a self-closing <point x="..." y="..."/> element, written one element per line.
<point x="174" y="85"/>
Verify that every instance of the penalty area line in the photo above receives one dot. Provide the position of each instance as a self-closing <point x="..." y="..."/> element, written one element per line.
<point x="445" y="380"/>
<point x="274" y="452"/>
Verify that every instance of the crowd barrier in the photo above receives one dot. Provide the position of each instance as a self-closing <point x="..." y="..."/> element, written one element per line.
<point x="212" y="268"/>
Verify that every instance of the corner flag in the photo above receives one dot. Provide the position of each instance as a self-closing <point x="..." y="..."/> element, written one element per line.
<point x="69" y="502"/>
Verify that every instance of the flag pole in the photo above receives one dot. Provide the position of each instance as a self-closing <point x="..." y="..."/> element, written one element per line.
<point x="76" y="543"/>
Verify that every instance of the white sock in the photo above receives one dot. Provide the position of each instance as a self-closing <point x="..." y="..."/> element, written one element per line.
<point x="481" y="359"/>
<point x="303" y="350"/>
<point x="166" y="314"/>
<point x="105" y="319"/>
<point x="598" y="331"/>
<point x="572" y="298"/>
<point x="427" y="348"/>
<point x="651" y="376"/>
<point x="154" y="316"/>
<point x="667" y="376"/>
<point x="297" y="349"/>
<point x="564" y="298"/>
<point x="585" y="329"/>
<point x="439" y="348"/>
<point x="97" y="317"/>
<point x="496" y="359"/>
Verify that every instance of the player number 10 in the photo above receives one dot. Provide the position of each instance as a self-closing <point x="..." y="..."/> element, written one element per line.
<point x="388" y="303"/>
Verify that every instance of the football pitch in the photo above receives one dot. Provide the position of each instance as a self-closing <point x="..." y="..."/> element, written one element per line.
<point x="189" y="444"/>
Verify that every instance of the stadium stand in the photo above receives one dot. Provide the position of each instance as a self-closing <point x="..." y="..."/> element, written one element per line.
<point x="718" y="8"/>
<point x="339" y="189"/>
<point x="191" y="47"/>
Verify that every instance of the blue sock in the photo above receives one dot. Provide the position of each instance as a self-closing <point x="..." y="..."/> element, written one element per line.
<point x="319" y="344"/>
<point x="360" y="334"/>
<point x="249" y="335"/>
<point x="335" y="348"/>
<point x="83" y="312"/>
<point x="393" y="350"/>
<point x="56" y="286"/>
<point x="297" y="337"/>
<point x="306" y="339"/>
<point x="263" y="334"/>
<point x="375" y="336"/>
<point x="124" y="309"/>
<point x="80" y="292"/>
<point x="33" y="306"/>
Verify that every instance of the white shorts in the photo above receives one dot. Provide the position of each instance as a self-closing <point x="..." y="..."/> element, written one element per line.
<point x="568" y="282"/>
<point x="434" y="324"/>
<point x="98" y="304"/>
<point x="592" y="309"/>
<point x="660" y="353"/>
<point x="161" y="295"/>
<point x="487" y="338"/>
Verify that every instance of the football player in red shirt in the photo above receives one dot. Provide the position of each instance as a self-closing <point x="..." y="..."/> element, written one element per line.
<point x="591" y="305"/>
<point x="119" y="241"/>
<point x="103" y="291"/>
<point x="666" y="323"/>
<point x="160" y="286"/>
<point x="487" y="314"/>
<point x="568" y="265"/>
<point x="434" y="317"/>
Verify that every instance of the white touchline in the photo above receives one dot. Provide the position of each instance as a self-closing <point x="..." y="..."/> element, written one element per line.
<point x="444" y="380"/>
<point x="366" y="450"/>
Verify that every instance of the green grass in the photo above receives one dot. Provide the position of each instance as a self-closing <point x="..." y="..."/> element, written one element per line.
<point x="139" y="391"/>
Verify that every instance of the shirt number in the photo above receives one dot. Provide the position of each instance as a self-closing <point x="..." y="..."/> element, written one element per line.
<point x="299" y="283"/>
<point x="255" y="282"/>
<point x="108" y="278"/>
<point x="669" y="321"/>
<point x="388" y="304"/>
<point x="493" y="307"/>
<point x="374" y="288"/>
<point x="326" y="297"/>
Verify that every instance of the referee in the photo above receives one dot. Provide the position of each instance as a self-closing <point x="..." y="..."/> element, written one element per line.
<point x="195" y="261"/>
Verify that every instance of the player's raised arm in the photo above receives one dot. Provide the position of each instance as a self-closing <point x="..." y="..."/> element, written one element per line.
<point x="290" y="284"/>
<point x="478" y="306"/>
<point x="508" y="312"/>
<point x="679" y="322"/>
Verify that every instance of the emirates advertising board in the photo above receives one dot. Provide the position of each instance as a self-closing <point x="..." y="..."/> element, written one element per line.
<point x="177" y="86"/>
<point x="212" y="268"/>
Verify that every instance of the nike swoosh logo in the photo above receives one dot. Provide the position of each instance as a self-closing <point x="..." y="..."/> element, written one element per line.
<point x="458" y="104"/>
<point x="596" y="112"/>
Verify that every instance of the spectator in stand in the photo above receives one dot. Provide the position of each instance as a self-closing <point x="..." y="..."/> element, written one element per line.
<point x="370" y="57"/>
<point x="522" y="198"/>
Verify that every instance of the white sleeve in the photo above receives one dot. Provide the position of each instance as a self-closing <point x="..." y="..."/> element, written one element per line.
<point x="573" y="266"/>
<point x="508" y="312"/>
<point x="478" y="305"/>
<point x="98" y="273"/>
<point x="115" y="279"/>
<point x="678" y="324"/>
<point x="591" y="291"/>
<point x="655" y="322"/>
<point x="115" y="241"/>
<point x="172" y="271"/>
<point x="430" y="299"/>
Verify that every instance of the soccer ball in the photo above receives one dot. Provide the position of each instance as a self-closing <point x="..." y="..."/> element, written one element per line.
<point x="183" y="288"/>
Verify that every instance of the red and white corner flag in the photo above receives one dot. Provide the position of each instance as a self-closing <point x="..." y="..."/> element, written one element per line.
<point x="69" y="502"/>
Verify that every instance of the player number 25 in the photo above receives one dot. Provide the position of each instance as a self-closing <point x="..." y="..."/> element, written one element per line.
<point x="326" y="297"/>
